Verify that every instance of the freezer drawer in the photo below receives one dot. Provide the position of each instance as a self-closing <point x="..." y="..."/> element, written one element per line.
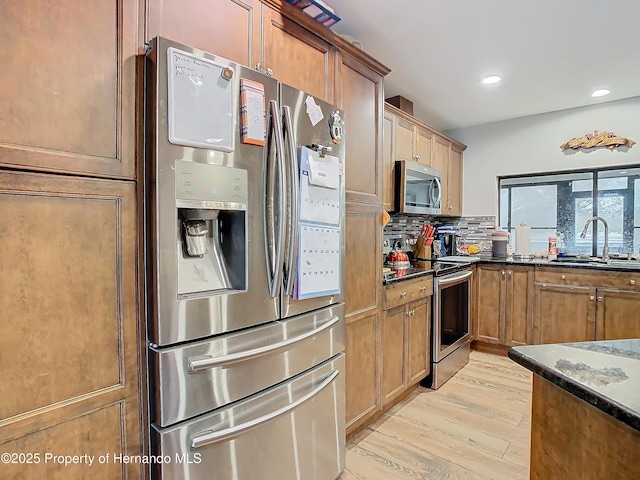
<point x="292" y="431"/>
<point x="199" y="377"/>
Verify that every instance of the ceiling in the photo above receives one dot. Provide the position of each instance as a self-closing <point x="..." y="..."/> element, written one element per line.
<point x="551" y="54"/>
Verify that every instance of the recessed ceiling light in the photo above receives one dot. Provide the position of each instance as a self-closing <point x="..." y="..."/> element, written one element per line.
<point x="491" y="79"/>
<point x="600" y="93"/>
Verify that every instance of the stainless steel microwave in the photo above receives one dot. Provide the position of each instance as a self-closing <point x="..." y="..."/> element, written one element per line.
<point x="418" y="189"/>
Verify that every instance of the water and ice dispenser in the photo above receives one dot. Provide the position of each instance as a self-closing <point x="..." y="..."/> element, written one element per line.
<point x="211" y="216"/>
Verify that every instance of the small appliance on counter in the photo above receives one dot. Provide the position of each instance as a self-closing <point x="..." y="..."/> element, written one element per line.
<point x="499" y="241"/>
<point x="447" y="238"/>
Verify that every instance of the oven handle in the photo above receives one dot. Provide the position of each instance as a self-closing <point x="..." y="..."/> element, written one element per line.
<point x="208" y="437"/>
<point x="455" y="278"/>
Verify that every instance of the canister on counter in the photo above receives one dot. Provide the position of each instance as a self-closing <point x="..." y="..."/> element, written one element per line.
<point x="499" y="240"/>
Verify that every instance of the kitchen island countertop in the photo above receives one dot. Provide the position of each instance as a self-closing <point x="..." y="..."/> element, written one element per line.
<point x="605" y="374"/>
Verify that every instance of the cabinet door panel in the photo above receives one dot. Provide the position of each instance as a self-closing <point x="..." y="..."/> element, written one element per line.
<point x="229" y="28"/>
<point x="67" y="90"/>
<point x="423" y="146"/>
<point x="419" y="340"/>
<point x="455" y="183"/>
<point x="68" y="339"/>
<point x="404" y="140"/>
<point x="564" y="314"/>
<point x="519" y="306"/>
<point x="361" y="357"/>
<point x="361" y="99"/>
<point x="299" y="58"/>
<point x="441" y="163"/>
<point x="617" y="317"/>
<point x="393" y="353"/>
<point x="388" y="160"/>
<point x="491" y="293"/>
<point x="363" y="250"/>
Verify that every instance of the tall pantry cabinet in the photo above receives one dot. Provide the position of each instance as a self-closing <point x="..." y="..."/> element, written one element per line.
<point x="70" y="330"/>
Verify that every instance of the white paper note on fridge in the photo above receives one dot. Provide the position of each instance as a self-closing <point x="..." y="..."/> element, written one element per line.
<point x="319" y="188"/>
<point x="318" y="261"/>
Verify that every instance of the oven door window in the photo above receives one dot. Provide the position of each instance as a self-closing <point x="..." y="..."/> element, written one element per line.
<point x="454" y="314"/>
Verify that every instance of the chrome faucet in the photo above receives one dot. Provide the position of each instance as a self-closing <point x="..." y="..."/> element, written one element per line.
<point x="605" y="248"/>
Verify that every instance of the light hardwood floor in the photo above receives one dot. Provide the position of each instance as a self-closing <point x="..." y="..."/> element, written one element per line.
<point x="475" y="427"/>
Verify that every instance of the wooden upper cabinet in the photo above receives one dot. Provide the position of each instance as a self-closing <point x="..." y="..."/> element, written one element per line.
<point x="424" y="139"/>
<point x="297" y="57"/>
<point x="440" y="161"/>
<point x="361" y="97"/>
<point x="388" y="161"/>
<point x="229" y="28"/>
<point x="454" y="197"/>
<point x="69" y="322"/>
<point x="404" y="140"/>
<point x="68" y="88"/>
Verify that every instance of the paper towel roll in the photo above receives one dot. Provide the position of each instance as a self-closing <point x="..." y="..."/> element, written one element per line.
<point x="523" y="240"/>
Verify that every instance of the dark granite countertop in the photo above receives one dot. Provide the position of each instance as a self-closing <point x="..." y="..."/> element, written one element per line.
<point x="618" y="266"/>
<point x="606" y="374"/>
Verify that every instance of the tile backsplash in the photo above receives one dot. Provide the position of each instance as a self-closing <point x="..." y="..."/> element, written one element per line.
<point x="473" y="230"/>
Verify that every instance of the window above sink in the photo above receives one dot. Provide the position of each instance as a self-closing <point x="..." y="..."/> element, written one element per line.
<point x="563" y="201"/>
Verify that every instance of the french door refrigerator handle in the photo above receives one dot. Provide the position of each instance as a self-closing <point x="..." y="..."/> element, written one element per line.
<point x="206" y="362"/>
<point x="294" y="189"/>
<point x="208" y="437"/>
<point x="275" y="269"/>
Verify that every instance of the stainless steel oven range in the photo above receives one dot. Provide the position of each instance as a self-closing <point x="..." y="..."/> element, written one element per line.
<point x="451" y="320"/>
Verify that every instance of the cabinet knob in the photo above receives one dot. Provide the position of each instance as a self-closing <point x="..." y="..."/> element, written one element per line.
<point x="450" y="207"/>
<point x="403" y="294"/>
<point x="424" y="289"/>
<point x="509" y="272"/>
<point x="563" y="277"/>
<point x="599" y="299"/>
<point x="632" y="282"/>
<point x="269" y="72"/>
<point x="502" y="272"/>
<point x="592" y="298"/>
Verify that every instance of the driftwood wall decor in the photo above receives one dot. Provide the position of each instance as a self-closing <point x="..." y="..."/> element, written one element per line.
<point x="595" y="139"/>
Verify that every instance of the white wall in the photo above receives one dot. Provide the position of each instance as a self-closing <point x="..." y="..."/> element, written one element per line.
<point x="532" y="145"/>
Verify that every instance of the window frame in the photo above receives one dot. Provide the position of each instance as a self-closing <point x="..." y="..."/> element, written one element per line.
<point x="566" y="199"/>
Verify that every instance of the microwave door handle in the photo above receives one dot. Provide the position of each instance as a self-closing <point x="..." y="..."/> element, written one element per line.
<point x="294" y="195"/>
<point x="274" y="266"/>
<point x="436" y="201"/>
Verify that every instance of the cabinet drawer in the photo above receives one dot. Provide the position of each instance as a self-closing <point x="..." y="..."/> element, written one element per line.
<point x="589" y="278"/>
<point x="408" y="291"/>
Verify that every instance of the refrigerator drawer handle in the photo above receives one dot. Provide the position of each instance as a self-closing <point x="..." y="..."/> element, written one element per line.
<point x="205" y="362"/>
<point x="208" y="437"/>
<point x="453" y="279"/>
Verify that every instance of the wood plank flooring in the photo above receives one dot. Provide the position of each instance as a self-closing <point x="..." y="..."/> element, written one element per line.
<point x="475" y="427"/>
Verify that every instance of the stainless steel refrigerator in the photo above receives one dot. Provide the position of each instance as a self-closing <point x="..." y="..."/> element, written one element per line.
<point x="246" y="362"/>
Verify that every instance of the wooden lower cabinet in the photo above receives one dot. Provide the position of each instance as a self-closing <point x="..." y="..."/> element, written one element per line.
<point x="419" y="342"/>
<point x="504" y="305"/>
<point x="564" y="314"/>
<point x="393" y="354"/>
<point x="405" y="347"/>
<point x="617" y="314"/>
<point x="362" y="370"/>
<point x="68" y="336"/>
